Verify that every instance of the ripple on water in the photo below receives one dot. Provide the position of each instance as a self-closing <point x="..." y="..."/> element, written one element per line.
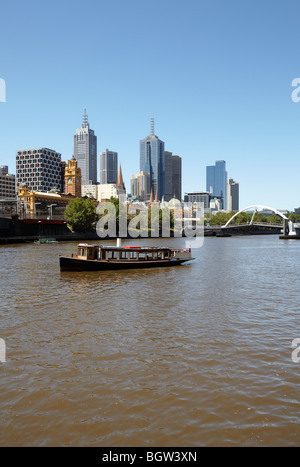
<point x="196" y="355"/>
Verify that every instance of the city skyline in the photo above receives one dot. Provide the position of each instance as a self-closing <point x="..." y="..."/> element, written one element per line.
<point x="221" y="92"/>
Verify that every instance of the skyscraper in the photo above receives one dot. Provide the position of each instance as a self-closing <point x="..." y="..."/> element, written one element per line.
<point x="152" y="160"/>
<point x="216" y="181"/>
<point x="108" y="167"/>
<point x="85" y="152"/>
<point x="172" y="177"/>
<point x="232" y="195"/>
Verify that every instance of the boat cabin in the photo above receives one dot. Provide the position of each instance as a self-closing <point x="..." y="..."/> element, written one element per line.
<point x="126" y="253"/>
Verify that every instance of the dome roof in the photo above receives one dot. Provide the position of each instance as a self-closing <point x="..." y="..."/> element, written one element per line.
<point x="174" y="203"/>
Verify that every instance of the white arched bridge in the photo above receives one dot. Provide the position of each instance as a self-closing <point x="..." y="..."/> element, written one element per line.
<point x="287" y="227"/>
<point x="256" y="208"/>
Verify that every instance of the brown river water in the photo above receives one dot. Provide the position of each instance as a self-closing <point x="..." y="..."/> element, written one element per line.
<point x="197" y="355"/>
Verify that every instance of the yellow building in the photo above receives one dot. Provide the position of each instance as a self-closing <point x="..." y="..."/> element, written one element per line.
<point x="35" y="203"/>
<point x="73" y="178"/>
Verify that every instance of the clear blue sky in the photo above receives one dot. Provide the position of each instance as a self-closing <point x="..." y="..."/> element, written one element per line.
<point x="216" y="75"/>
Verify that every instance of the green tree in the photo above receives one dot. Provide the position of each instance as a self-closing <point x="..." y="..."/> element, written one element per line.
<point x="81" y="214"/>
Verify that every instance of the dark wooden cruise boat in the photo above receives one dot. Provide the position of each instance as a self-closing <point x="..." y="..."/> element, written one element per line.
<point x="102" y="258"/>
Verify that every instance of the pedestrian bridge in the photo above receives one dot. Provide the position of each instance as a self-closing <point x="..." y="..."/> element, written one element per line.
<point x="256" y="209"/>
<point x="258" y="226"/>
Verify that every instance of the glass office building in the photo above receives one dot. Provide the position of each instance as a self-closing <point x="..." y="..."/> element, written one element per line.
<point x="108" y="167"/>
<point x="85" y="152"/>
<point x="216" y="181"/>
<point x="152" y="160"/>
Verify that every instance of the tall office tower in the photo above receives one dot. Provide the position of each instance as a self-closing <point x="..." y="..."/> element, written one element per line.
<point x="216" y="181"/>
<point x="39" y="169"/>
<point x="7" y="183"/>
<point x="152" y="160"/>
<point x="232" y="195"/>
<point x="108" y="167"/>
<point x="85" y="152"/>
<point x="169" y="192"/>
<point x="172" y="177"/>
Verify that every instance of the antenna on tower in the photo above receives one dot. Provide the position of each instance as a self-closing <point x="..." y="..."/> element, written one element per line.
<point x="152" y="126"/>
<point x="85" y="119"/>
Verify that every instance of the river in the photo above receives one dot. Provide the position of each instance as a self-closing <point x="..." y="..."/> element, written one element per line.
<point x="197" y="355"/>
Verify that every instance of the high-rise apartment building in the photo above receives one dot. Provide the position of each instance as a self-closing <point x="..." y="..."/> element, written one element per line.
<point x="85" y="152"/>
<point x="232" y="195"/>
<point x="39" y="169"/>
<point x="173" y="181"/>
<point x="108" y="167"/>
<point x="7" y="183"/>
<point x="216" y="181"/>
<point x="152" y="160"/>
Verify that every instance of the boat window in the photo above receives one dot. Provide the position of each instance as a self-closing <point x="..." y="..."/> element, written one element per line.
<point x="123" y="254"/>
<point x="83" y="252"/>
<point x="111" y="255"/>
<point x="133" y="255"/>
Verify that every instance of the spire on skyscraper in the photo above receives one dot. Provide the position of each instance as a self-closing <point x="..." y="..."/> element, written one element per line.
<point x="85" y="122"/>
<point x="152" y="126"/>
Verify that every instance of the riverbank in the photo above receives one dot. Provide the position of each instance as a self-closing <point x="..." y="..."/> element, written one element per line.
<point x="14" y="230"/>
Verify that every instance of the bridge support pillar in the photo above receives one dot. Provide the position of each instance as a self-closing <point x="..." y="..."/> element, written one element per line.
<point x="285" y="226"/>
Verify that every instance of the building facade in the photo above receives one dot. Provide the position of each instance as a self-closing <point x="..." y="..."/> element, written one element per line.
<point x="140" y="186"/>
<point x="85" y="151"/>
<point x="35" y="204"/>
<point x="7" y="184"/>
<point x="115" y="190"/>
<point x="216" y="181"/>
<point x="90" y="191"/>
<point x="108" y="167"/>
<point x="233" y="202"/>
<point x="173" y="179"/>
<point x="152" y="160"/>
<point x="198" y="197"/>
<point x="73" y="179"/>
<point x="39" y="169"/>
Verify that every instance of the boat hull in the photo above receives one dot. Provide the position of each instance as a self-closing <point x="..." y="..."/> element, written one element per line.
<point x="75" y="264"/>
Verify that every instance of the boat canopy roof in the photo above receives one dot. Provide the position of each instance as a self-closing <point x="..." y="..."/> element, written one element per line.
<point x="123" y="248"/>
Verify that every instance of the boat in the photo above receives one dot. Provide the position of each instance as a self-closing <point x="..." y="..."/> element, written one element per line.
<point x="103" y="258"/>
<point x="46" y="240"/>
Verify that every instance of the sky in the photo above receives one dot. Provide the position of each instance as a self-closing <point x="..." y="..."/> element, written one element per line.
<point x="215" y="74"/>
